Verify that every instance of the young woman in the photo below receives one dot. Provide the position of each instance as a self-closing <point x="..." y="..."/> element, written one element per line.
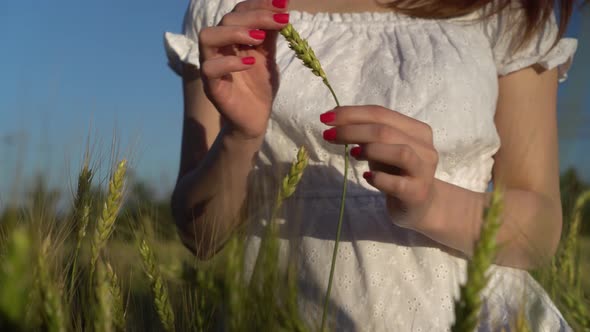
<point x="443" y="97"/>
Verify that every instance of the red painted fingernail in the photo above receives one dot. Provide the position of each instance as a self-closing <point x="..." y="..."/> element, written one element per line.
<point x="356" y="151"/>
<point x="330" y="134"/>
<point x="368" y="175"/>
<point x="328" y="117"/>
<point x="282" y="18"/>
<point x="249" y="60"/>
<point x="279" y="3"/>
<point x="257" y="34"/>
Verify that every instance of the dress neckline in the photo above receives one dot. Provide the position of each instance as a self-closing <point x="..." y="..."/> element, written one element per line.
<point x="357" y="17"/>
<point x="367" y="17"/>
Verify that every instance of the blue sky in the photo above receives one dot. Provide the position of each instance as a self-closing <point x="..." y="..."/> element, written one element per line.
<point x="67" y="66"/>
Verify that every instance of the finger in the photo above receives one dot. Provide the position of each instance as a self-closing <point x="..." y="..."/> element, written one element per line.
<point x="407" y="189"/>
<point x="377" y="114"/>
<point x="220" y="67"/>
<point x="372" y="133"/>
<point x="256" y="19"/>
<point x="214" y="38"/>
<point x="394" y="170"/>
<point x="396" y="156"/>
<point x="274" y="5"/>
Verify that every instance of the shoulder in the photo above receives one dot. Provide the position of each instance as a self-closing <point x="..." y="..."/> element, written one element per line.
<point x="207" y="12"/>
<point x="502" y="28"/>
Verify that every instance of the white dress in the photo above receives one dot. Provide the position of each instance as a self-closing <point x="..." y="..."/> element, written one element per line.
<point x="442" y="72"/>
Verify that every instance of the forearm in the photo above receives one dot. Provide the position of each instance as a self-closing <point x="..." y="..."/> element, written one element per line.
<point x="528" y="237"/>
<point x="207" y="200"/>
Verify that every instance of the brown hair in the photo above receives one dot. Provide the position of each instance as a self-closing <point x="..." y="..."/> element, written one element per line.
<point x="536" y="12"/>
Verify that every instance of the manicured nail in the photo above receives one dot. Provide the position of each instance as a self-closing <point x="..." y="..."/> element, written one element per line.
<point x="368" y="175"/>
<point x="328" y="117"/>
<point x="356" y="151"/>
<point x="279" y="3"/>
<point x="257" y="34"/>
<point x="282" y="18"/>
<point x="249" y="60"/>
<point x="330" y="134"/>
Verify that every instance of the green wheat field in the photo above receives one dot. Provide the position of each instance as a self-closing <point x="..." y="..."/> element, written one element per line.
<point x="110" y="260"/>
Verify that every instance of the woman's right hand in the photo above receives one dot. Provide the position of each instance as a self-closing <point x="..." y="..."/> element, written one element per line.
<point x="238" y="67"/>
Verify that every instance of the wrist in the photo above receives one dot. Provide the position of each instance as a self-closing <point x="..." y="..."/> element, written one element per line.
<point x="248" y="137"/>
<point x="432" y="221"/>
<point x="238" y="144"/>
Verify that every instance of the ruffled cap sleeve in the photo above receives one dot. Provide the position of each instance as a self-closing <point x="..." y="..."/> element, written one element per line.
<point x="501" y="30"/>
<point x="183" y="48"/>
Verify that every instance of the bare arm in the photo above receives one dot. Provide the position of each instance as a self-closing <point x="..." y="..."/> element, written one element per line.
<point x="526" y="165"/>
<point x="214" y="167"/>
<point x="236" y="84"/>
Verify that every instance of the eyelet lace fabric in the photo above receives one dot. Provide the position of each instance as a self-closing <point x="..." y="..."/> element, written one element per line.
<point x="442" y="72"/>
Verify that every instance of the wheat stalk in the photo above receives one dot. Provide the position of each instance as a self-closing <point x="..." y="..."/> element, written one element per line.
<point x="103" y="313"/>
<point x="306" y="54"/>
<point x="52" y="307"/>
<point x="161" y="297"/>
<point x="111" y="208"/>
<point x="117" y="297"/>
<point x="468" y="306"/>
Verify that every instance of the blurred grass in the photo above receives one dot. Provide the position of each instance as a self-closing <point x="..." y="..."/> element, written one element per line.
<point x="585" y="263"/>
<point x="39" y="243"/>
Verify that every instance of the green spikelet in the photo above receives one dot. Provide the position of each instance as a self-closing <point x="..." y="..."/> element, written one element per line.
<point x="111" y="208"/>
<point x="117" y="296"/>
<point x="82" y="199"/>
<point x="290" y="182"/>
<point x="15" y="281"/>
<point x="81" y="214"/>
<point x="468" y="307"/>
<point x="303" y="51"/>
<point x="576" y="310"/>
<point x="159" y="289"/>
<point x="568" y="258"/>
<point x="51" y="303"/>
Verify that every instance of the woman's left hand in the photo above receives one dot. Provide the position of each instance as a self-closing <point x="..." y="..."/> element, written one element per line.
<point x="401" y="155"/>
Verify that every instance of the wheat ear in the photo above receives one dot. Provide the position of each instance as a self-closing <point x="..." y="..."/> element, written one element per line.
<point x="576" y="309"/>
<point x="303" y="51"/>
<point x="81" y="213"/>
<point x="52" y="307"/>
<point x="264" y="275"/>
<point x="568" y="258"/>
<point x="306" y="54"/>
<point x="468" y="306"/>
<point x="117" y="296"/>
<point x="15" y="280"/>
<point x="290" y="182"/>
<point x="111" y="208"/>
<point x="161" y="297"/>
